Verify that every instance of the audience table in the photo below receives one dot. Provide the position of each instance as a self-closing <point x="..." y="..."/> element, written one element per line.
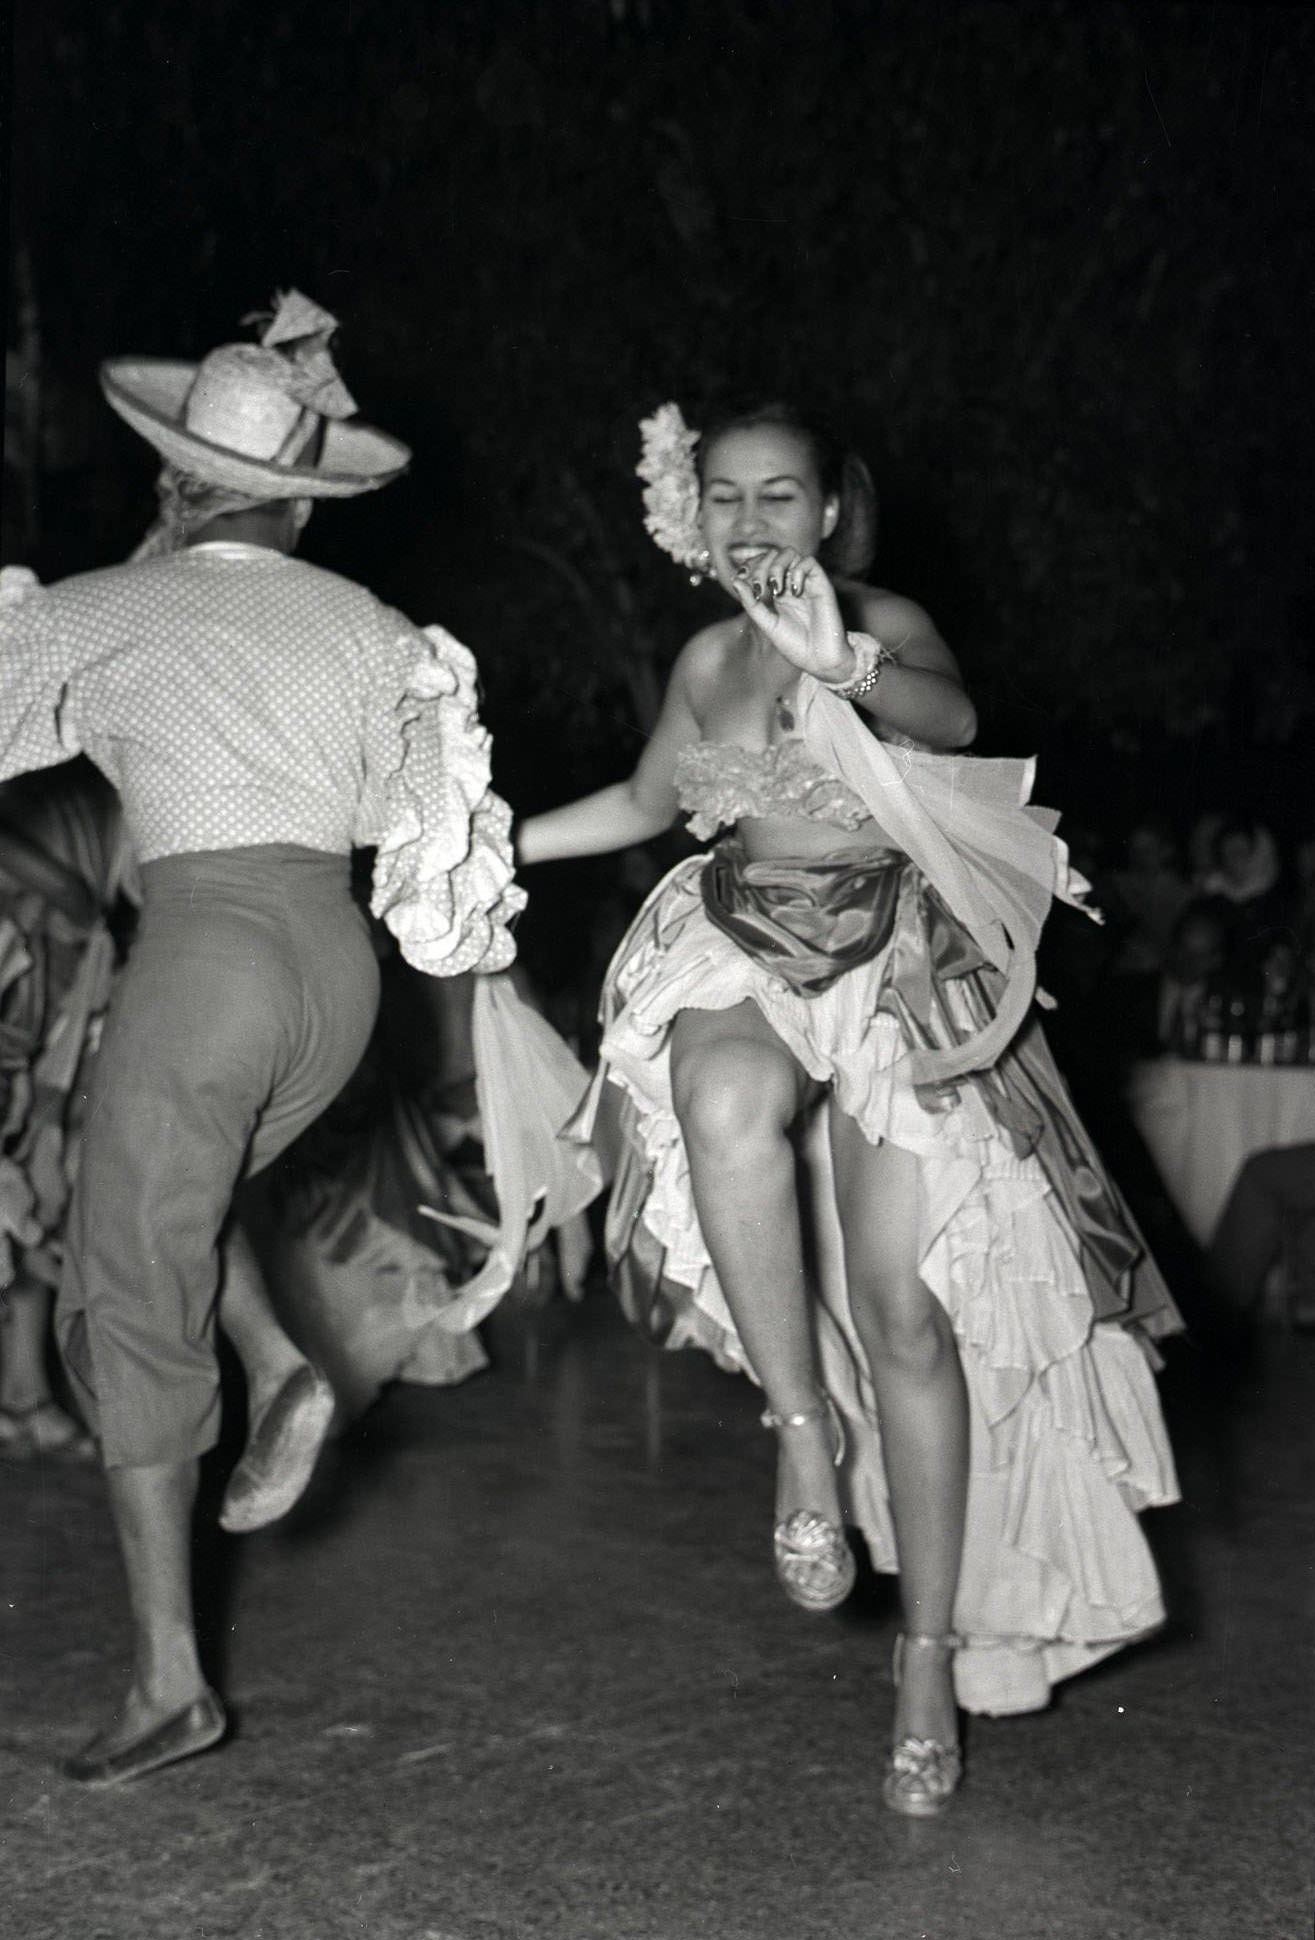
<point x="1201" y="1122"/>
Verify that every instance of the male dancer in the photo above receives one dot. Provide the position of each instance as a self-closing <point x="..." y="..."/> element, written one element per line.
<point x="259" y="717"/>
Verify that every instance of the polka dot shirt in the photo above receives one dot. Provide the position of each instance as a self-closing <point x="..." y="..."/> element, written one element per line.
<point x="234" y="697"/>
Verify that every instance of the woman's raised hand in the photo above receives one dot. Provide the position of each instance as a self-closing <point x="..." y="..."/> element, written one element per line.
<point x="790" y="599"/>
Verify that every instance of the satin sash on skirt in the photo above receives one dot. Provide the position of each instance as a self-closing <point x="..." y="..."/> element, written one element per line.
<point x="809" y="920"/>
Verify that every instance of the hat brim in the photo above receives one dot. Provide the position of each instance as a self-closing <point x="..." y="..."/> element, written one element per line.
<point x="149" y="394"/>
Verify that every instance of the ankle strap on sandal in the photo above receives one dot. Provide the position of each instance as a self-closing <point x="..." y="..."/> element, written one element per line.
<point x="919" y="1639"/>
<point x="770" y="1419"/>
<point x="825" y="1410"/>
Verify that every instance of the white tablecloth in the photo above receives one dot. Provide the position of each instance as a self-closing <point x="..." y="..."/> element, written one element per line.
<point x="1201" y="1122"/>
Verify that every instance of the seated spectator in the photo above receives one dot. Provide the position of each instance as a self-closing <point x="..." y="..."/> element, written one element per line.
<point x="1149" y="896"/>
<point x="1246" y="862"/>
<point x="1269" y="1218"/>
<point x="1244" y="886"/>
<point x="1284" y="994"/>
<point x="1140" y="903"/>
<point x="1194" y="974"/>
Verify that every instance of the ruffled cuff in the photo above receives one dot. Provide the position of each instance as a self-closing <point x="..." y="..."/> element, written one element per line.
<point x="444" y="875"/>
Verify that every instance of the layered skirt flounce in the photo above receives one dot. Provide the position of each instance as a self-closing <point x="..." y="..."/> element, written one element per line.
<point x="366" y="1284"/>
<point x="1029" y="1251"/>
<point x="57" y="964"/>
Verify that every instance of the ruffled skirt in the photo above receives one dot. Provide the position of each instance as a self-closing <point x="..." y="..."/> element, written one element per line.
<point x="364" y="1280"/>
<point x="1067" y="1439"/>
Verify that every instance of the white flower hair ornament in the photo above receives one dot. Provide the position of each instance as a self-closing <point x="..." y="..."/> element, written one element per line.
<point x="671" y="486"/>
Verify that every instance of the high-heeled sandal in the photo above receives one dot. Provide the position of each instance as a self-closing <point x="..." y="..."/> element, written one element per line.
<point x="922" y="1775"/>
<point x="814" y="1563"/>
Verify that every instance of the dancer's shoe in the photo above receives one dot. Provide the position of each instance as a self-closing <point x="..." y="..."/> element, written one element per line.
<point x="814" y="1563"/>
<point x="922" y="1775"/>
<point x="282" y="1448"/>
<point x="197" y="1727"/>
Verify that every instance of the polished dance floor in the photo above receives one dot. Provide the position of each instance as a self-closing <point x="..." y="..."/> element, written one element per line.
<point x="518" y="1668"/>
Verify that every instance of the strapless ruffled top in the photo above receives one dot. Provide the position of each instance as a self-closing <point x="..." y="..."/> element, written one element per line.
<point x="718" y="782"/>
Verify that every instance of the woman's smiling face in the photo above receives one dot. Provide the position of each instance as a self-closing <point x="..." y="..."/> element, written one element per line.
<point x="761" y="491"/>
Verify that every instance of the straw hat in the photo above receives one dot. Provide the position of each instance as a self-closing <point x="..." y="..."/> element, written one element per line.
<point x="249" y="416"/>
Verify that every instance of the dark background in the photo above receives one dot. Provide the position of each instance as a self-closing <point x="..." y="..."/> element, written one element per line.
<point x="1049" y="265"/>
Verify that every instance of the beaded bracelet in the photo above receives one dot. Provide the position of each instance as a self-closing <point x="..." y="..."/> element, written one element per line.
<point x="872" y="660"/>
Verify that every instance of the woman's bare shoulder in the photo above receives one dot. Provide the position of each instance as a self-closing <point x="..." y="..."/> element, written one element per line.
<point x="899" y="622"/>
<point x="705" y="658"/>
<point x="878" y="606"/>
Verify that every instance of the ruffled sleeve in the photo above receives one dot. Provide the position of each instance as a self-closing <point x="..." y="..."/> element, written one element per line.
<point x="443" y="874"/>
<point x="35" y="666"/>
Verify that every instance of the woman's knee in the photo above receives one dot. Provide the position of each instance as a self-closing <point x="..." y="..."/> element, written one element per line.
<point x="903" y="1328"/>
<point x="734" y="1090"/>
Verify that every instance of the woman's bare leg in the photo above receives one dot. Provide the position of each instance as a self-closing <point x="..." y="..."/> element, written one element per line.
<point x="737" y="1089"/>
<point x="921" y="1401"/>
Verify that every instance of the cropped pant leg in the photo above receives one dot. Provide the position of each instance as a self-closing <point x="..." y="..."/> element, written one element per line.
<point x="245" y="1006"/>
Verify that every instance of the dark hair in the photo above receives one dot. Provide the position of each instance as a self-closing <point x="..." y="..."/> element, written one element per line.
<point x="841" y="474"/>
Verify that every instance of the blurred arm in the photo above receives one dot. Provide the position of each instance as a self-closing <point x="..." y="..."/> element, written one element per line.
<point x="628" y="811"/>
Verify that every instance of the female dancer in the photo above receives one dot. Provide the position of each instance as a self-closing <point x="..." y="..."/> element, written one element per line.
<point x="851" y="1168"/>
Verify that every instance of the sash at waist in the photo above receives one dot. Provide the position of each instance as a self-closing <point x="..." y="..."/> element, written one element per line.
<point x="808" y="919"/>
